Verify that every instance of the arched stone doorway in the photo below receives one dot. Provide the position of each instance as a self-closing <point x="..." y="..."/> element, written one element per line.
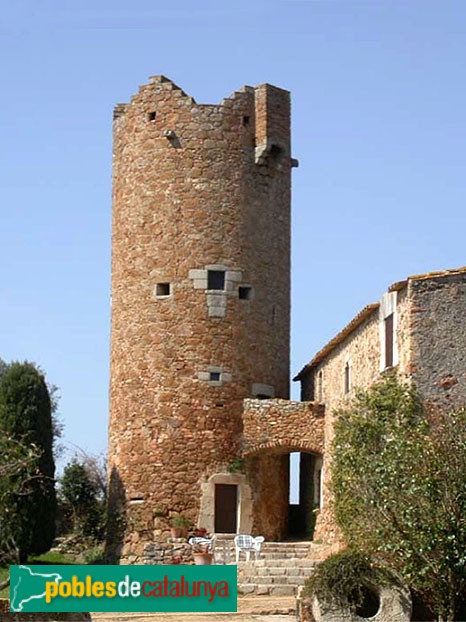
<point x="272" y="430"/>
<point x="268" y="471"/>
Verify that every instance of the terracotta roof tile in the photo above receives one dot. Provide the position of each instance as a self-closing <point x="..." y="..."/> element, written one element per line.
<point x="367" y="311"/>
<point x="428" y="275"/>
<point x="341" y="336"/>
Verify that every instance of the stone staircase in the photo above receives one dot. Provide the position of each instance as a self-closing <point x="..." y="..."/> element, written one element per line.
<point x="280" y="570"/>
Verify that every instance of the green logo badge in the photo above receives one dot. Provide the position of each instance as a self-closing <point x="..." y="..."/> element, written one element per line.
<point x="123" y="588"/>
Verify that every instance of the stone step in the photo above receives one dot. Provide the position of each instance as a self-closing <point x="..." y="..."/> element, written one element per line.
<point x="287" y="550"/>
<point x="274" y="576"/>
<point x="274" y="545"/>
<point x="276" y="572"/>
<point x="284" y="547"/>
<point x="268" y="559"/>
<point x="271" y="552"/>
<point x="278" y="563"/>
<point x="282" y="555"/>
<point x="277" y="580"/>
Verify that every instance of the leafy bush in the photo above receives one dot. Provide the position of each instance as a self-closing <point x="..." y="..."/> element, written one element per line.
<point x="80" y="494"/>
<point x="95" y="555"/>
<point x="343" y="578"/>
<point x="400" y="489"/>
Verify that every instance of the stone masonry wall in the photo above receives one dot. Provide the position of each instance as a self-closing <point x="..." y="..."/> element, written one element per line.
<point x="193" y="199"/>
<point x="282" y="424"/>
<point x="361" y="350"/>
<point x="430" y="346"/>
<point x="404" y="333"/>
<point x="269" y="476"/>
<point x="272" y="429"/>
<point x="439" y="338"/>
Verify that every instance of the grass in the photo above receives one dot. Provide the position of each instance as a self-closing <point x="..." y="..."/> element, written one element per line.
<point x="4" y="575"/>
<point x="45" y="558"/>
<point x="50" y="558"/>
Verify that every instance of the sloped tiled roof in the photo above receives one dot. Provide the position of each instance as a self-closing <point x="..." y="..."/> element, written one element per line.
<point x="367" y="312"/>
<point x="341" y="336"/>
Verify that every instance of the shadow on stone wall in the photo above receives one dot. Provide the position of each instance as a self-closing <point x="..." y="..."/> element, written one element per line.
<point x="116" y="518"/>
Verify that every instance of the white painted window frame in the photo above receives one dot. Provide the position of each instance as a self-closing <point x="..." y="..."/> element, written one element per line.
<point x="388" y="306"/>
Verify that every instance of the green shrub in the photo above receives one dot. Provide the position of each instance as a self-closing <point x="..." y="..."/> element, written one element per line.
<point x="80" y="497"/>
<point x="398" y="479"/>
<point x="343" y="578"/>
<point x="95" y="555"/>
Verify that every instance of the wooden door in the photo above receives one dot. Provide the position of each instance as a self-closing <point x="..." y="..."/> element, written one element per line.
<point x="226" y="508"/>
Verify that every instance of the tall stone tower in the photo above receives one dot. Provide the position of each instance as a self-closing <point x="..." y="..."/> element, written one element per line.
<point x="200" y="300"/>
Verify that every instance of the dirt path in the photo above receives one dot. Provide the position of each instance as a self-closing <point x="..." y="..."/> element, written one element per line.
<point x="192" y="617"/>
<point x="250" y="609"/>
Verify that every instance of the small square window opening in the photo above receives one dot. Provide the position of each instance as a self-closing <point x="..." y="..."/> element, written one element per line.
<point x="214" y="376"/>
<point x="246" y="120"/>
<point x="244" y="293"/>
<point x="215" y="279"/>
<point x="151" y="116"/>
<point x="162" y="289"/>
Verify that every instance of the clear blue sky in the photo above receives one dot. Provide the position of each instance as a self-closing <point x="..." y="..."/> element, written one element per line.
<point x="379" y="127"/>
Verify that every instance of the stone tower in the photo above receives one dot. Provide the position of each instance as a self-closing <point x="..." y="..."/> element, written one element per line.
<point x="200" y="300"/>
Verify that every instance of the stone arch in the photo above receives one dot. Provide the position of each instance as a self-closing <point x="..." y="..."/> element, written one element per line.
<point x="283" y="445"/>
<point x="207" y="507"/>
<point x="267" y="463"/>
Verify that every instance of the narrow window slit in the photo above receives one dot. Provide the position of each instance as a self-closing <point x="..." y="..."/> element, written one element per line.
<point x="347" y="378"/>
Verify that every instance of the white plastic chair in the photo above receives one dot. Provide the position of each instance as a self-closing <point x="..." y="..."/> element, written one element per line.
<point x="249" y="545"/>
<point x="201" y="542"/>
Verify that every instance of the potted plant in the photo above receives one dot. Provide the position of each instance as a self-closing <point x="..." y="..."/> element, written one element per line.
<point x="200" y="532"/>
<point x="201" y="551"/>
<point x="179" y="526"/>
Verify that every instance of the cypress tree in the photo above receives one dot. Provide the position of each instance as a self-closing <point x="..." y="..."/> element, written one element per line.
<point x="26" y="415"/>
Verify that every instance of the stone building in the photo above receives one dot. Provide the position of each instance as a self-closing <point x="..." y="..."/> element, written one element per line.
<point x="200" y="424"/>
<point x="200" y="421"/>
<point x="418" y="328"/>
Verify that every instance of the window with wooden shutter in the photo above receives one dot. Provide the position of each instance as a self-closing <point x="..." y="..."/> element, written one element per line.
<point x="389" y="340"/>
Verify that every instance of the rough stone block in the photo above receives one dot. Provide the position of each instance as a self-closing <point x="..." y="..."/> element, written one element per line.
<point x="258" y="388"/>
<point x="235" y="276"/>
<point x="217" y="266"/>
<point x="216" y="300"/>
<point x="198" y="274"/>
<point x="200" y="283"/>
<point x="217" y="311"/>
